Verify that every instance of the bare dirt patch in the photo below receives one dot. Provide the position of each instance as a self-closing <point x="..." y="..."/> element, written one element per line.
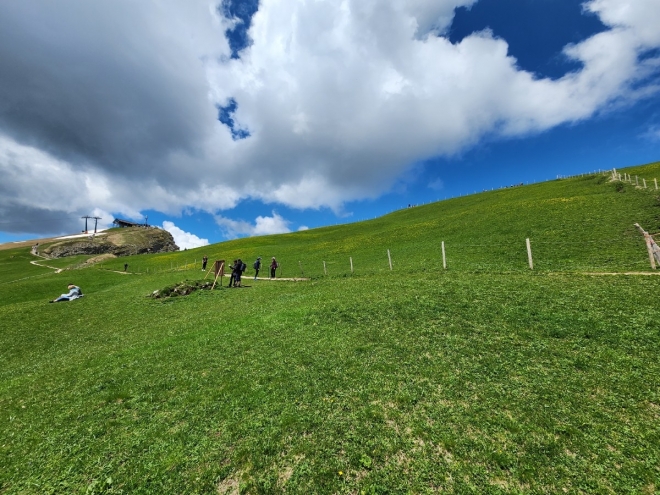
<point x="97" y="259"/>
<point x="229" y="486"/>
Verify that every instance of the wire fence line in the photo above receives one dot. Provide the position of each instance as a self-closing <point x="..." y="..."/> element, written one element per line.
<point x="537" y="255"/>
<point x="640" y="182"/>
<point x="499" y="256"/>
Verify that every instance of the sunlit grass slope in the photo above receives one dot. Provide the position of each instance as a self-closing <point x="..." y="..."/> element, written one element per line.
<point x="573" y="224"/>
<point x="485" y="378"/>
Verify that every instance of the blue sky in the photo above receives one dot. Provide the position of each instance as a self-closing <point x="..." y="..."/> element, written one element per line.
<point x="279" y="116"/>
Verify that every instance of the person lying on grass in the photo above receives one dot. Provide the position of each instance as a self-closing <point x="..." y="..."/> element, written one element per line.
<point x="74" y="293"/>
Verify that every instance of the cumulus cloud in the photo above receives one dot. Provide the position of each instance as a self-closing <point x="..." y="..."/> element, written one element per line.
<point x="40" y="193"/>
<point x="115" y="106"/>
<point x="303" y="227"/>
<point x="183" y="239"/>
<point x="275" y="224"/>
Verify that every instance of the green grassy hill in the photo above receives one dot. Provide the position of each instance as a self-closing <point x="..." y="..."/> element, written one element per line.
<point x="573" y="224"/>
<point x="483" y="378"/>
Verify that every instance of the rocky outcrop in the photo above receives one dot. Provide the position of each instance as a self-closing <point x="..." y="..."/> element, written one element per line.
<point x="119" y="242"/>
<point x="182" y="289"/>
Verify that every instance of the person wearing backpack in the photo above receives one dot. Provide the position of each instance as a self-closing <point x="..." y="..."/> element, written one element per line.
<point x="239" y="267"/>
<point x="273" y="267"/>
<point x="257" y="266"/>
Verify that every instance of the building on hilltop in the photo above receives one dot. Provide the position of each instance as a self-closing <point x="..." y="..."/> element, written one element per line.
<point x="125" y="223"/>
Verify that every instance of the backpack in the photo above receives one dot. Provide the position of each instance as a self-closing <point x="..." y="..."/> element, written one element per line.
<point x="256" y="265"/>
<point x="243" y="267"/>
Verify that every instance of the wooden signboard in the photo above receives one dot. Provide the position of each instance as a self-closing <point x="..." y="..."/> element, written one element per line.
<point x="218" y="269"/>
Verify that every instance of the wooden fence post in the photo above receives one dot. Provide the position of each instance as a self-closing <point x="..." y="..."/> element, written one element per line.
<point x="649" y="245"/>
<point x="644" y="180"/>
<point x="325" y="271"/>
<point x="301" y="268"/>
<point x="389" y="258"/>
<point x="656" y="184"/>
<point x="636" y="180"/>
<point x="529" y="254"/>
<point x="444" y="259"/>
<point x="351" y="259"/>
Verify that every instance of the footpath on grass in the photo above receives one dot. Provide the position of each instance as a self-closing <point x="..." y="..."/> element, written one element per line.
<point x="621" y="273"/>
<point x="36" y="263"/>
<point x="286" y="279"/>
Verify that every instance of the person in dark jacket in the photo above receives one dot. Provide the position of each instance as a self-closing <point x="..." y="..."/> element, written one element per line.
<point x="257" y="266"/>
<point x="232" y="278"/>
<point x="239" y="266"/>
<point x="273" y="267"/>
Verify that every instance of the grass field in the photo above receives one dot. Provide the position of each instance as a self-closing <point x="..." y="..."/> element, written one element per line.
<point x="573" y="224"/>
<point x="484" y="378"/>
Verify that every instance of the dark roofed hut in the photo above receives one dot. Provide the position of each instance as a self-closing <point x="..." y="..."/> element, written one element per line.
<point x="125" y="223"/>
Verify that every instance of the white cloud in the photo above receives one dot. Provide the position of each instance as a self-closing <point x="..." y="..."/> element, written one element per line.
<point x="105" y="219"/>
<point x="262" y="226"/>
<point x="303" y="227"/>
<point x="185" y="240"/>
<point x="436" y="185"/>
<point x="652" y="133"/>
<point x="271" y="225"/>
<point x="339" y="97"/>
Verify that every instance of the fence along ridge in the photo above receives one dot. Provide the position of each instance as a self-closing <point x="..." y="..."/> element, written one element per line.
<point x="616" y="176"/>
<point x="654" y="252"/>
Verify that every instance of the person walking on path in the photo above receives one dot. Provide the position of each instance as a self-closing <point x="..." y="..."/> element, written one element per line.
<point x="257" y="266"/>
<point x="205" y="260"/>
<point x="273" y="267"/>
<point x="74" y="293"/>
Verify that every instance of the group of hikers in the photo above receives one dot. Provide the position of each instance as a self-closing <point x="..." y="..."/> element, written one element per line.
<point x="238" y="267"/>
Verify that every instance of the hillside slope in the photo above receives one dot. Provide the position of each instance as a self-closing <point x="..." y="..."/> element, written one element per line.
<point x="119" y="241"/>
<point x="574" y="224"/>
<point x="484" y="378"/>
